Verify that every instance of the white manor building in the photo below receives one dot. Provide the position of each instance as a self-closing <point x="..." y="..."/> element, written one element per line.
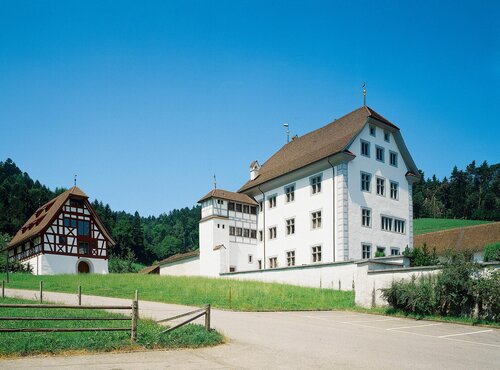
<point x="340" y="193"/>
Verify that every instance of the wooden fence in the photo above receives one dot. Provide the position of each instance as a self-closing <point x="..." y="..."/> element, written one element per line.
<point x="134" y="307"/>
<point x="205" y="311"/>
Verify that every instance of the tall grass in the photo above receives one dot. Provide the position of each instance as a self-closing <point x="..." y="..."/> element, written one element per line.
<point x="429" y="225"/>
<point x="148" y="333"/>
<point x="196" y="291"/>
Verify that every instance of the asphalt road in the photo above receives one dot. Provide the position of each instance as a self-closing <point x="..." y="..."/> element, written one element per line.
<point x="299" y="340"/>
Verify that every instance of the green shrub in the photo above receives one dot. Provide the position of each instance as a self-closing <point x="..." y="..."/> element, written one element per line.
<point x="416" y="296"/>
<point x="379" y="254"/>
<point x="487" y="289"/>
<point x="123" y="265"/>
<point x="492" y="252"/>
<point x="421" y="256"/>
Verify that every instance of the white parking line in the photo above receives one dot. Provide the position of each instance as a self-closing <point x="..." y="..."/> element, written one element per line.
<point x="368" y="321"/>
<point x="414" y="326"/>
<point x="471" y="332"/>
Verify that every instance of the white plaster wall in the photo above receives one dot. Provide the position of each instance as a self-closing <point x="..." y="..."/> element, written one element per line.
<point x="329" y="276"/>
<point x="53" y="264"/>
<point x="187" y="267"/>
<point x="210" y="237"/>
<point x="380" y="205"/>
<point x="305" y="203"/>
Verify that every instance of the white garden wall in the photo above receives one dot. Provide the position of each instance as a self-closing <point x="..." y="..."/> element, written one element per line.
<point x="187" y="267"/>
<point x="53" y="264"/>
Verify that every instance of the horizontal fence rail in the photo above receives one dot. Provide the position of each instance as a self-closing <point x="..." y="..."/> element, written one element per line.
<point x="134" y="318"/>
<point x="205" y="311"/>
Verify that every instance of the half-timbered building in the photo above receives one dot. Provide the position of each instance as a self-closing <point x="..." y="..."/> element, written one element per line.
<point x="64" y="236"/>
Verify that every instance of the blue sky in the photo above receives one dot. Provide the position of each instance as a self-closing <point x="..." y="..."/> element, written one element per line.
<point x="146" y="100"/>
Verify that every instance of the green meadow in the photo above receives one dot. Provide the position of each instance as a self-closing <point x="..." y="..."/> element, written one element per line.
<point x="429" y="225"/>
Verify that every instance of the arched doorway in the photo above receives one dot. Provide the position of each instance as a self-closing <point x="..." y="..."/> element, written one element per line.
<point x="83" y="267"/>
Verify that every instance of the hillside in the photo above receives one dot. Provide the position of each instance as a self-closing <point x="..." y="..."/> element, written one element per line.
<point x="429" y="225"/>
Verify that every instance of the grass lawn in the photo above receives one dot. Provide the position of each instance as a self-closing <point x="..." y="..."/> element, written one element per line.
<point x="148" y="333"/>
<point x="429" y="225"/>
<point x="194" y="291"/>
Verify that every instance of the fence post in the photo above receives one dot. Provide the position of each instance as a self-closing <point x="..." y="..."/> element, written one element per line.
<point x="3" y="288"/>
<point x="79" y="295"/>
<point x="135" y="316"/>
<point x="207" y="318"/>
<point x="41" y="291"/>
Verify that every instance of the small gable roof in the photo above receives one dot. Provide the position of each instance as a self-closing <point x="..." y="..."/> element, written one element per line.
<point x="44" y="216"/>
<point x="179" y="257"/>
<point x="229" y="195"/>
<point x="319" y="144"/>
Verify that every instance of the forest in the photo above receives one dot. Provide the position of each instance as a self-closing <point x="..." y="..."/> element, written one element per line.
<point x="471" y="193"/>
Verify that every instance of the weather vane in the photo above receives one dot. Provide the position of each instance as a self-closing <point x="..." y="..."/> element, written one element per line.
<point x="215" y="182"/>
<point x="364" y="94"/>
<point x="74" y="180"/>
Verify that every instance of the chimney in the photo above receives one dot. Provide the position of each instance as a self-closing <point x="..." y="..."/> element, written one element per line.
<point x="254" y="170"/>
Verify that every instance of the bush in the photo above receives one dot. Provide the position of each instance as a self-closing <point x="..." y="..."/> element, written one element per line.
<point x="492" y="252"/>
<point x="416" y="296"/>
<point x="379" y="254"/>
<point x="487" y="289"/>
<point x="123" y="265"/>
<point x="421" y="256"/>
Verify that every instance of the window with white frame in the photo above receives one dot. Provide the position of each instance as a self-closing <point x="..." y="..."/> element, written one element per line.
<point x="290" y="193"/>
<point x="399" y="226"/>
<point x="365" y="148"/>
<point x="290" y="258"/>
<point x="395" y="252"/>
<point x="239" y="207"/>
<point x="386" y="223"/>
<point x="316" y="253"/>
<point x="379" y="153"/>
<point x="272" y="201"/>
<point x="316" y="219"/>
<point x="365" y="181"/>
<point x="253" y="234"/>
<point x="253" y="210"/>
<point x="273" y="262"/>
<point x="232" y="230"/>
<point x="230" y="206"/>
<point x="372" y="130"/>
<point x="366" y="251"/>
<point x="290" y="226"/>
<point x="366" y="217"/>
<point x="394" y="190"/>
<point x="387" y="136"/>
<point x="316" y="184"/>
<point x="246" y="208"/>
<point x="272" y="232"/>
<point x="246" y="233"/>
<point x="380" y="186"/>
<point x="393" y="159"/>
<point x="250" y="258"/>
<point x="239" y="231"/>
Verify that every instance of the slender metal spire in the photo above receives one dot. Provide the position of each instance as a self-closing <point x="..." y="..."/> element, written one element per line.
<point x="364" y="94"/>
<point x="215" y="182"/>
<point x="74" y="180"/>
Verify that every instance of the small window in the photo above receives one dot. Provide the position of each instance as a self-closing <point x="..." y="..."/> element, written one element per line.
<point x="83" y="248"/>
<point x="394" y="190"/>
<point x="290" y="193"/>
<point x="273" y="262"/>
<point x="387" y="136"/>
<point x="239" y="231"/>
<point x="290" y="226"/>
<point x="272" y="201"/>
<point x="380" y="153"/>
<point x="380" y="186"/>
<point x="246" y="209"/>
<point x="259" y="263"/>
<point x="83" y="228"/>
<point x="261" y="235"/>
<point x="239" y="207"/>
<point x="380" y="252"/>
<point x="386" y="223"/>
<point x="316" y="184"/>
<point x="260" y="206"/>
<point x="76" y="203"/>
<point x="250" y="258"/>
<point x="373" y="131"/>
<point x="366" y="217"/>
<point x="395" y="252"/>
<point x="365" y="181"/>
<point x="232" y="268"/>
<point x="316" y="219"/>
<point x="290" y="258"/>
<point x="253" y="210"/>
<point x="218" y="226"/>
<point x="230" y="206"/>
<point x="63" y="240"/>
<point x="393" y="158"/>
<point x="367" y="251"/>
<point x="232" y="230"/>
<point x="399" y="226"/>
<point x="365" y="148"/>
<point x="316" y="253"/>
<point x="246" y="233"/>
<point x="253" y="234"/>
<point x="69" y="222"/>
<point x="272" y="232"/>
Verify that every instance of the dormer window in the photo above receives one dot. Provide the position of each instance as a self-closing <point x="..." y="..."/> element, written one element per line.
<point x="372" y="131"/>
<point x="290" y="193"/>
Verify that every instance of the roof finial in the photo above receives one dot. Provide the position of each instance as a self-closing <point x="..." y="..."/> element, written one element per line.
<point x="287" y="132"/>
<point x="74" y="180"/>
<point x="215" y="182"/>
<point x="364" y="93"/>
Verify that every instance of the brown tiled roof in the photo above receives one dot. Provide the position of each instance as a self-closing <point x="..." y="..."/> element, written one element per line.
<point x="43" y="217"/>
<point x="153" y="269"/>
<point x="229" y="195"/>
<point x="316" y="145"/>
<point x="180" y="257"/>
<point x="471" y="238"/>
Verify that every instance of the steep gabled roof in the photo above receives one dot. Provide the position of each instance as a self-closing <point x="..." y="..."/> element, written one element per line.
<point x="319" y="144"/>
<point x="229" y="195"/>
<point x="179" y="257"/>
<point x="44" y="216"/>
